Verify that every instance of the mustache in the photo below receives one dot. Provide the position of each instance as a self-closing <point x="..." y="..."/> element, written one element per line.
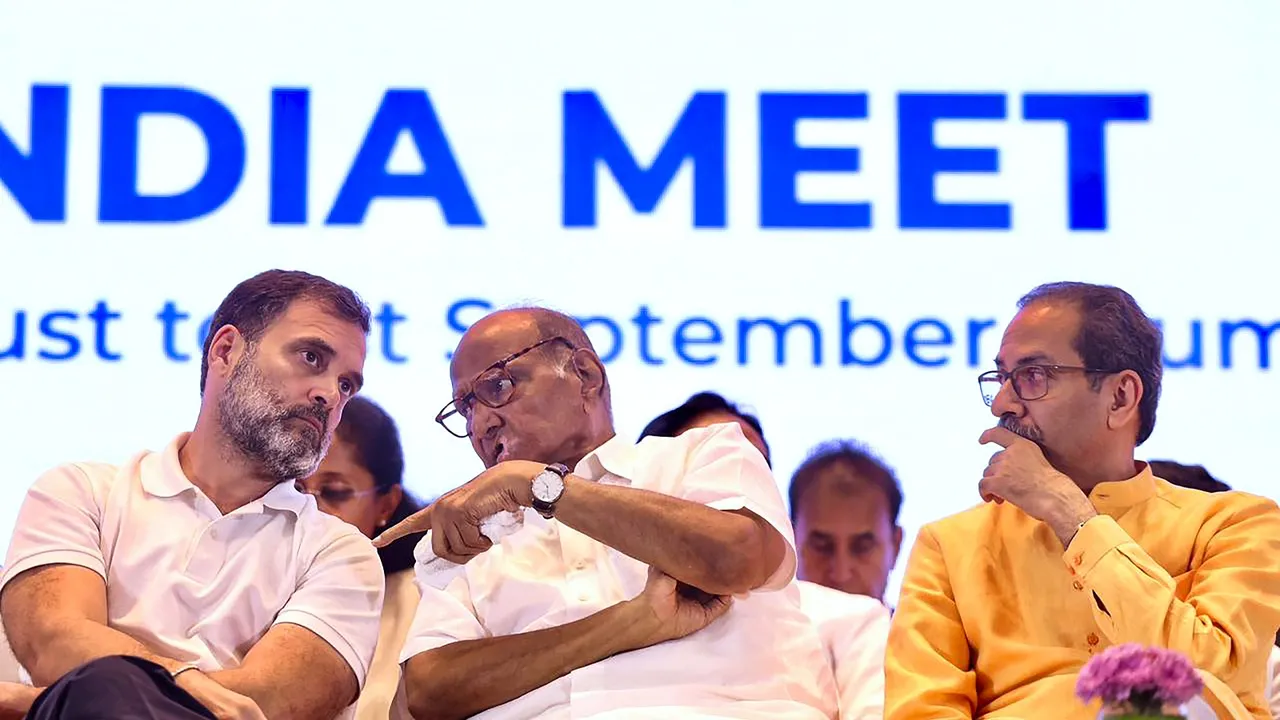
<point x="1030" y="432"/>
<point x="308" y="411"/>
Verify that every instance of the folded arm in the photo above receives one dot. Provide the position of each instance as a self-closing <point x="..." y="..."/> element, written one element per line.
<point x="63" y="611"/>
<point x="292" y="673"/>
<point x="1232" y="603"/>
<point x="466" y="677"/>
<point x="717" y="551"/>
<point x="718" y="532"/>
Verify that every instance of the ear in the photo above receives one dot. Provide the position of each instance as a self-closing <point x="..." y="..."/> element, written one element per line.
<point x="225" y="351"/>
<point x="1125" y="395"/>
<point x="590" y="371"/>
<point x="387" y="504"/>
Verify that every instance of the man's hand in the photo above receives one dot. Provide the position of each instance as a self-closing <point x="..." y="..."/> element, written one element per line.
<point x="1020" y="474"/>
<point x="667" y="610"/>
<point x="223" y="703"/>
<point x="454" y="519"/>
<point x="16" y="699"/>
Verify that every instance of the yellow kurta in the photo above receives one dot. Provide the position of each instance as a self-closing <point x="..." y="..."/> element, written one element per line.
<point x="995" y="620"/>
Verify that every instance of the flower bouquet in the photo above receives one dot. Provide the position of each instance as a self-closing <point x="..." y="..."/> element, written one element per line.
<point x="1134" y="681"/>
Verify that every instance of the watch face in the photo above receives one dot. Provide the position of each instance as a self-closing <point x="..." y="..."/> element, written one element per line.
<point x="547" y="487"/>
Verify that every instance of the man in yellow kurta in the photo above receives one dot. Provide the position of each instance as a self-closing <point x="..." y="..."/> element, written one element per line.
<point x="1079" y="547"/>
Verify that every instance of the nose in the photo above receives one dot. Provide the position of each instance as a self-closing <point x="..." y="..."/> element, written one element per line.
<point x="842" y="568"/>
<point x="327" y="394"/>
<point x="1007" y="402"/>
<point x="483" y="421"/>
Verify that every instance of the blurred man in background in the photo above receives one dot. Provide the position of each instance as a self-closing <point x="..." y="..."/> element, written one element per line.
<point x="854" y="628"/>
<point x="845" y="504"/>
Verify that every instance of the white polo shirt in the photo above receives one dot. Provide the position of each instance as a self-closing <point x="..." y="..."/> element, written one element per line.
<point x="855" y="633"/>
<point x="191" y="583"/>
<point x="761" y="660"/>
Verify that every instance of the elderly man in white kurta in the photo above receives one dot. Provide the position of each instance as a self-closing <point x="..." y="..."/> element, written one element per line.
<point x="648" y="581"/>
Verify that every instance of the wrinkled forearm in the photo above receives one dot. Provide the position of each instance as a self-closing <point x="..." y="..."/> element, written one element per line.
<point x="712" y="550"/>
<point x="470" y="676"/>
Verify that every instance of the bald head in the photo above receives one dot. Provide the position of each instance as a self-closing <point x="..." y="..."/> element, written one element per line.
<point x="520" y="327"/>
<point x="532" y="387"/>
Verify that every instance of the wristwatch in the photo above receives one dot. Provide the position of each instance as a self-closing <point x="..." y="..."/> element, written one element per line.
<point x="548" y="486"/>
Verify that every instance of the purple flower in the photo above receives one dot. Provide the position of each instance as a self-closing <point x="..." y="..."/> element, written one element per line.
<point x="1144" y="678"/>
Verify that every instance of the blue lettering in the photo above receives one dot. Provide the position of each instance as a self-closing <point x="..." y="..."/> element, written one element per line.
<point x="920" y="161"/>
<point x="38" y="180"/>
<point x="1261" y="333"/>
<point x="456" y="309"/>
<point x="441" y="179"/>
<point x="119" y="200"/>
<point x="590" y="136"/>
<point x="976" y="328"/>
<point x="1086" y="117"/>
<point x="169" y="316"/>
<point x="202" y="333"/>
<point x="644" y="320"/>
<point x="911" y="341"/>
<point x="290" y="130"/>
<point x="1194" y="357"/>
<point x="782" y="160"/>
<point x="615" y="348"/>
<point x="683" y="339"/>
<point x="780" y="330"/>
<point x="17" y="347"/>
<point x="387" y="317"/>
<point x="48" y="330"/>
<point x="101" y="315"/>
<point x="848" y="326"/>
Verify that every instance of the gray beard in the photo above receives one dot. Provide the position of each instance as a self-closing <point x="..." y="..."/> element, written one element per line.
<point x="256" y="420"/>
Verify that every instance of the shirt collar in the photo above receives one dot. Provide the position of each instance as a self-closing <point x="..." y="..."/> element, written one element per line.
<point x="162" y="476"/>
<point x="615" y="457"/>
<point x="1116" y="497"/>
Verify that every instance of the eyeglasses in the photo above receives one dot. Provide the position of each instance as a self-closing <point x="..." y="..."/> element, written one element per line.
<point x="333" y="497"/>
<point x="494" y="387"/>
<point x="1030" y="382"/>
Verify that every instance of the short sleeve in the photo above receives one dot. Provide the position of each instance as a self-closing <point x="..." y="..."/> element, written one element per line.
<point x="726" y="472"/>
<point x="340" y="599"/>
<point x="59" y="524"/>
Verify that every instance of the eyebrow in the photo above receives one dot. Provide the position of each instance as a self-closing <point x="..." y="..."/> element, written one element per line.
<point x="1026" y="359"/>
<point x="326" y="349"/>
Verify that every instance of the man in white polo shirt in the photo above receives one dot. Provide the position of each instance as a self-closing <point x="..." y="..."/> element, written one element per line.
<point x="655" y="580"/>
<point x="198" y="581"/>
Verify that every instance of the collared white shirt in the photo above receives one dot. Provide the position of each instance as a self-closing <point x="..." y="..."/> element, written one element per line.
<point x="191" y="583"/>
<point x="854" y="631"/>
<point x="762" y="659"/>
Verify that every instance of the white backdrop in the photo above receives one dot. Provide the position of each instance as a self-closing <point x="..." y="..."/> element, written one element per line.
<point x="1189" y="228"/>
